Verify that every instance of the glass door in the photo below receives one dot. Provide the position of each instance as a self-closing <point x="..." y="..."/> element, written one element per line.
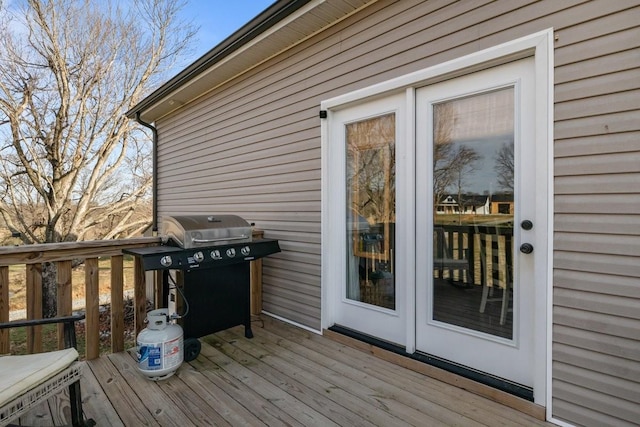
<point x="371" y="210"/>
<point x="372" y="298"/>
<point x="475" y="168"/>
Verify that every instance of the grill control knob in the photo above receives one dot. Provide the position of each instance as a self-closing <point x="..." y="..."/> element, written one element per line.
<point x="231" y="252"/>
<point x="245" y="250"/>
<point x="198" y="256"/>
<point x="215" y="254"/>
<point x="166" y="261"/>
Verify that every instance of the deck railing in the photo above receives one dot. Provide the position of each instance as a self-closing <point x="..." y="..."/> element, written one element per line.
<point x="488" y="250"/>
<point x="63" y="255"/>
<point x="462" y="242"/>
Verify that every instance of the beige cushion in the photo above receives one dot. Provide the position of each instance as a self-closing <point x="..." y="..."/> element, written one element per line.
<point x="19" y="374"/>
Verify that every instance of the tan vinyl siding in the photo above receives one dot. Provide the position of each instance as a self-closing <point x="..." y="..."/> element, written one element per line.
<point x="596" y="331"/>
<point x="252" y="147"/>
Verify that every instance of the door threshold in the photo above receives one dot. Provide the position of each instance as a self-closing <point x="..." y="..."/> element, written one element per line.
<point x="500" y="390"/>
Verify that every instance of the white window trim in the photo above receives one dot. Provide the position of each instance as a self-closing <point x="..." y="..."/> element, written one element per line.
<point x="540" y="46"/>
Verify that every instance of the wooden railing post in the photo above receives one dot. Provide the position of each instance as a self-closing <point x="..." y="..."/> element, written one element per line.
<point x="34" y="306"/>
<point x="471" y="241"/>
<point x="256" y="286"/>
<point x="117" y="306"/>
<point x="158" y="289"/>
<point x="92" y="295"/>
<point x="140" y="294"/>
<point x="4" y="308"/>
<point x="64" y="297"/>
<point x="256" y="279"/>
<point x="63" y="254"/>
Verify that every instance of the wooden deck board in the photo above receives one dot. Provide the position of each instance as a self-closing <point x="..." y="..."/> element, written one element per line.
<point x="240" y="369"/>
<point x="377" y="406"/>
<point x="259" y="409"/>
<point x="397" y="397"/>
<point x="94" y="399"/>
<point x="303" y="384"/>
<point x="116" y="387"/>
<point x="284" y="376"/>
<point x="159" y="399"/>
<point x="424" y="387"/>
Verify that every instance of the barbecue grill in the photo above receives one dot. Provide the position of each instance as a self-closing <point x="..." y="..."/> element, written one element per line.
<point x="209" y="256"/>
<point x="205" y="230"/>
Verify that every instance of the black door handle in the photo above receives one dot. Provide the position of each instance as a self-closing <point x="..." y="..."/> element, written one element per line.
<point x="526" y="248"/>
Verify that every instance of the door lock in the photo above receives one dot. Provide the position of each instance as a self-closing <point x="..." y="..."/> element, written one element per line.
<point x="526" y="248"/>
<point x="526" y="225"/>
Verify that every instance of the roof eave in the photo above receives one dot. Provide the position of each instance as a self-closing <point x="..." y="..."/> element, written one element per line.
<point x="271" y="16"/>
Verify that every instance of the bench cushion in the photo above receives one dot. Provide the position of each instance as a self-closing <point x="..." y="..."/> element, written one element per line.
<point x="20" y="374"/>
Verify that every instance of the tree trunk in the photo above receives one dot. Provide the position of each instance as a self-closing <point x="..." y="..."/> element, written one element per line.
<point x="49" y="290"/>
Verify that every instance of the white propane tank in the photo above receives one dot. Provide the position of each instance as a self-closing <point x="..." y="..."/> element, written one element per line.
<point x="160" y="346"/>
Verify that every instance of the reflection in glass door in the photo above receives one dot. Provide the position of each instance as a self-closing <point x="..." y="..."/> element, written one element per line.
<point x="368" y="293"/>
<point x="474" y="296"/>
<point x="370" y="164"/>
<point x="473" y="208"/>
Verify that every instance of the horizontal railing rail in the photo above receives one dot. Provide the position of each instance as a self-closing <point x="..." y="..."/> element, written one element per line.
<point x="63" y="255"/>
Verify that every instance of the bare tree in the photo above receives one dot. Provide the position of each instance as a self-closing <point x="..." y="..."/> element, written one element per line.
<point x="371" y="156"/>
<point x="463" y="162"/>
<point x="442" y="148"/>
<point x="505" y="166"/>
<point x="451" y="161"/>
<point x="72" y="167"/>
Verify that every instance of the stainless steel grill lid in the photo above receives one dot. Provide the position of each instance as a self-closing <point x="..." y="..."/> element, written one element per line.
<point x="193" y="231"/>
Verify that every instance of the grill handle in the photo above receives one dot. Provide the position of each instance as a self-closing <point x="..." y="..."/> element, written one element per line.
<point x="219" y="239"/>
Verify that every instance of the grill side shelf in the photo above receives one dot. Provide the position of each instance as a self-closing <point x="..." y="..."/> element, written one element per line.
<point x="175" y="258"/>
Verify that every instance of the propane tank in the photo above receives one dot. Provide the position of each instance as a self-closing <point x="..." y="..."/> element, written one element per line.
<point x="159" y="346"/>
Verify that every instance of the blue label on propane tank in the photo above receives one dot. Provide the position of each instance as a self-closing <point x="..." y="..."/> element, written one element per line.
<point x="155" y="357"/>
<point x="150" y="357"/>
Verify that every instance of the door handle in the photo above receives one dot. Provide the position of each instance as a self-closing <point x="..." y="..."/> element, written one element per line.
<point x="526" y="248"/>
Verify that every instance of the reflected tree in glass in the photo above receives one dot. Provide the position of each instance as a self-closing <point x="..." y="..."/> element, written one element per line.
<point x="370" y="171"/>
<point x="473" y="146"/>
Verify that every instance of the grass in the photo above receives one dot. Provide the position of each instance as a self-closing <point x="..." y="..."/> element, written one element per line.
<point x="470" y="219"/>
<point x="18" y="339"/>
<point x="18" y="336"/>
<point x="17" y="301"/>
<point x="18" y="283"/>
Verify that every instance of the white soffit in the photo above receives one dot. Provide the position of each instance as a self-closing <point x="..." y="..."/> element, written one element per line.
<point x="304" y="23"/>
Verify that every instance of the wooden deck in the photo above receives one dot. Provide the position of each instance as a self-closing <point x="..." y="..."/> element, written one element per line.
<point x="283" y="376"/>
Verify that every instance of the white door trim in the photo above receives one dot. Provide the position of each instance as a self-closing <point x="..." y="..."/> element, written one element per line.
<point x="540" y="46"/>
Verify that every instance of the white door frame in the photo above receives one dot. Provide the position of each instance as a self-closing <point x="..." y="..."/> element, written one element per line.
<point x="540" y="46"/>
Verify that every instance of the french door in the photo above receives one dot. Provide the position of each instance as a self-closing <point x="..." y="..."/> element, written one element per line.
<point x="475" y="204"/>
<point x="438" y="207"/>
<point x="370" y="297"/>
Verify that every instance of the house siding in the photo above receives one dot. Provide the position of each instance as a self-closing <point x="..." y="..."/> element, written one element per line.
<point x="596" y="294"/>
<point x="252" y="147"/>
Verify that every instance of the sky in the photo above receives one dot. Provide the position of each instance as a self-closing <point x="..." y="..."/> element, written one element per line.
<point x="218" y="19"/>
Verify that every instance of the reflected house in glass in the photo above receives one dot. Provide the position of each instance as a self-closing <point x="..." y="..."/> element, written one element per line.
<point x="470" y="204"/>
<point x="502" y="204"/>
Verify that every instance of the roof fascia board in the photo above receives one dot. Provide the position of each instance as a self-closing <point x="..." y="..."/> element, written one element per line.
<point x="267" y="22"/>
<point x="169" y="95"/>
<point x="151" y="113"/>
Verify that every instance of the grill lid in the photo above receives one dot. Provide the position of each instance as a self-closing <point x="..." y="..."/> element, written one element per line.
<point x="192" y="231"/>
